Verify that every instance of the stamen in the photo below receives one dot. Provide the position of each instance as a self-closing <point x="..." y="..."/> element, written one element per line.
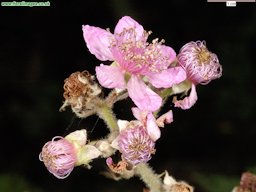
<point x="136" y="145"/>
<point x="137" y="55"/>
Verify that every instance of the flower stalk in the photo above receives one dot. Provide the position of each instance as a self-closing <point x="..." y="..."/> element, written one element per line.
<point x="152" y="180"/>
<point x="106" y="113"/>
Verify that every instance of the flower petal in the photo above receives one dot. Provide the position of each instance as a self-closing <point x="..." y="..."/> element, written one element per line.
<point x="136" y="113"/>
<point x="143" y="97"/>
<point x="168" y="52"/>
<point x="127" y="22"/>
<point x="98" y="42"/>
<point x="189" y="101"/>
<point x="114" y="143"/>
<point x="165" y="118"/>
<point x="86" y="154"/>
<point x="78" y="137"/>
<point x="110" y="76"/>
<point x="152" y="128"/>
<point x="139" y="114"/>
<point x="168" y="77"/>
<point x="122" y="124"/>
<point x="169" y="180"/>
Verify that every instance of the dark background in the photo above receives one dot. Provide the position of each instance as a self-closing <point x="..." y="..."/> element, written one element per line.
<point x="209" y="145"/>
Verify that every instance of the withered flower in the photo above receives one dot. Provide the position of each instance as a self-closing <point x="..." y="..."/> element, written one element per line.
<point x="80" y="89"/>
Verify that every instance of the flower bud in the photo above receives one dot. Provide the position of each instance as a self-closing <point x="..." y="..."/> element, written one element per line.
<point x="135" y="145"/>
<point x="59" y="157"/>
<point x="201" y="65"/>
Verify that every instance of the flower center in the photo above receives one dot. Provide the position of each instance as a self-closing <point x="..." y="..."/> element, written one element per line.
<point x="136" y="55"/>
<point x="140" y="148"/>
<point x="48" y="159"/>
<point x="204" y="56"/>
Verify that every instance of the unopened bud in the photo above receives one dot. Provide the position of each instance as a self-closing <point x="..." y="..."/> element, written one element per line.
<point x="59" y="157"/>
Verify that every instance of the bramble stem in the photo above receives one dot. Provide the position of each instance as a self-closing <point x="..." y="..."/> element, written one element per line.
<point x="106" y="113"/>
<point x="152" y="180"/>
<point x="108" y="116"/>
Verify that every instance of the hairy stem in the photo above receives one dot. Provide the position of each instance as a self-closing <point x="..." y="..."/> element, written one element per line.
<point x="105" y="112"/>
<point x="152" y="180"/>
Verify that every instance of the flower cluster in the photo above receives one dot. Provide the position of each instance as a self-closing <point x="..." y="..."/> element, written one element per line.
<point x="147" y="72"/>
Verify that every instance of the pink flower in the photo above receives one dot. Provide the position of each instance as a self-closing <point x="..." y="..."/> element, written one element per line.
<point x="59" y="157"/>
<point x="134" y="58"/>
<point x="201" y="65"/>
<point x="135" y="145"/>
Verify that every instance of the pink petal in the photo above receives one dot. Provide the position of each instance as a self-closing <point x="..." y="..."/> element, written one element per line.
<point x="98" y="42"/>
<point x="168" y="52"/>
<point x="168" y="77"/>
<point x="152" y="128"/>
<point x="140" y="115"/>
<point x="109" y="161"/>
<point x="189" y="101"/>
<point x="143" y="97"/>
<point x="165" y="118"/>
<point x="127" y="22"/>
<point x="110" y="76"/>
<point x="137" y="113"/>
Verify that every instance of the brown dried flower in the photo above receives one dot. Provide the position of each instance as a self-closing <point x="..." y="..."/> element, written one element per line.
<point x="247" y="183"/>
<point x="181" y="187"/>
<point x="79" y="90"/>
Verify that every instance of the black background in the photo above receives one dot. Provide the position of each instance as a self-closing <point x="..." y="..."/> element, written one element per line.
<point x="209" y="145"/>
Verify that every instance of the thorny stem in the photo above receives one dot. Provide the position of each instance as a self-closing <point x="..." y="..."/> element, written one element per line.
<point x="152" y="180"/>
